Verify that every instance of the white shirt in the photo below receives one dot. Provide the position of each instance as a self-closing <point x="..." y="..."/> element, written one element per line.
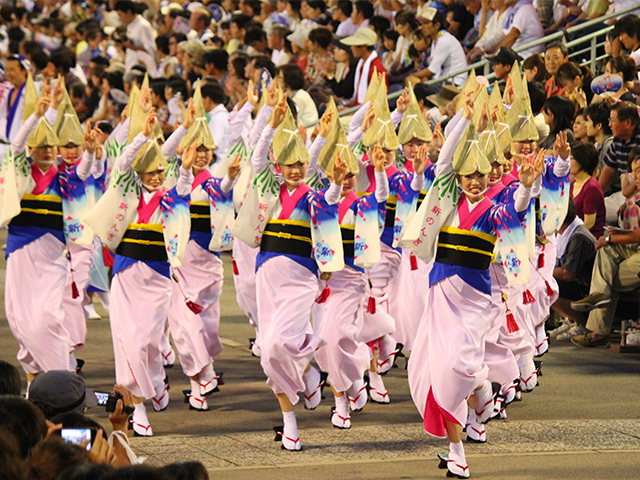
<point x="447" y="56"/>
<point x="346" y="28"/>
<point x="493" y="32"/>
<point x="636" y="57"/>
<point x="524" y="17"/>
<point x="219" y="126"/>
<point x="141" y="34"/>
<point x="280" y="57"/>
<point x="307" y="111"/>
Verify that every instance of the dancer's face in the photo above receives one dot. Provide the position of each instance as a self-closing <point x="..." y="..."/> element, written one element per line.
<point x="474" y="185"/>
<point x="71" y="153"/>
<point x="496" y="174"/>
<point x="294" y="174"/>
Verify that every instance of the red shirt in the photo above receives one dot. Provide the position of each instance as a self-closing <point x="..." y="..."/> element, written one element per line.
<point x="552" y="89"/>
<point x="590" y="200"/>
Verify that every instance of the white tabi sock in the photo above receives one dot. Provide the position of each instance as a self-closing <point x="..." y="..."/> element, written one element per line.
<point x="290" y="438"/>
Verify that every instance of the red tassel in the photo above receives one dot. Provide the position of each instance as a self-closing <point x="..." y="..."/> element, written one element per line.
<point x="371" y="305"/>
<point x="541" y="260"/>
<point x="108" y="258"/>
<point x="74" y="290"/>
<point x="235" y="268"/>
<point x="324" y="295"/>
<point x="194" y="307"/>
<point x="512" y="325"/>
<point x="549" y="289"/>
<point x="527" y="297"/>
<point x="414" y="262"/>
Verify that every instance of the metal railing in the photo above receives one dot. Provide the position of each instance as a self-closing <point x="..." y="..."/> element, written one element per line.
<point x="592" y="49"/>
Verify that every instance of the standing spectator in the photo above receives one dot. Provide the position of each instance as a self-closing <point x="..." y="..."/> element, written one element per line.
<point x="628" y="28"/>
<point x="447" y="55"/>
<point x="213" y="100"/>
<point x="558" y="114"/>
<point x="490" y="28"/>
<point x="12" y="104"/>
<point x="342" y="13"/>
<point x="555" y="55"/>
<point x="140" y="45"/>
<point x="362" y="12"/>
<point x="522" y="26"/>
<point x="502" y="62"/>
<point x="292" y="82"/>
<point x="276" y="42"/>
<point x="362" y="44"/>
<point x="585" y="190"/>
<point x="534" y="69"/>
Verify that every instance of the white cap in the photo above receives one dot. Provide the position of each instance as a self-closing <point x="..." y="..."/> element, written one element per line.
<point x="364" y="36"/>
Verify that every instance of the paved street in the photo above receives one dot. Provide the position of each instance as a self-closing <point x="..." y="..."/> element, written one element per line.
<point x="583" y="421"/>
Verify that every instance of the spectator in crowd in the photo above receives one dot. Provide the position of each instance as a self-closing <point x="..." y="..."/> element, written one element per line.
<point x="12" y="104"/>
<point x="186" y="471"/>
<point x="291" y="79"/>
<point x="362" y="44"/>
<point x="379" y="24"/>
<point x="254" y="68"/>
<point x="237" y="29"/>
<point x="521" y="27"/>
<point x="555" y="55"/>
<point x="53" y="455"/>
<point x="629" y="212"/>
<point x="502" y="62"/>
<point x="575" y="80"/>
<point x="60" y="391"/>
<point x="23" y="420"/>
<point x="299" y="46"/>
<point x="534" y="69"/>
<point x="615" y="270"/>
<point x="460" y="20"/>
<point x="169" y="64"/>
<point x="319" y="56"/>
<point x="405" y="25"/>
<point x="598" y="128"/>
<point x="140" y="45"/>
<point x="11" y="465"/>
<point x="628" y="28"/>
<point x="342" y="13"/>
<point x="580" y="127"/>
<point x="277" y="40"/>
<point x="612" y="44"/>
<point x="200" y="21"/>
<point x="490" y="31"/>
<point x="585" y="190"/>
<point x="626" y="68"/>
<point x="256" y="42"/>
<point x="362" y="12"/>
<point x="538" y="97"/>
<point x="558" y="114"/>
<point x="215" y="64"/>
<point x="389" y="43"/>
<point x="214" y="100"/>
<point x="447" y="55"/>
<point x="576" y="251"/>
<point x="9" y="379"/>
<point x="341" y="72"/>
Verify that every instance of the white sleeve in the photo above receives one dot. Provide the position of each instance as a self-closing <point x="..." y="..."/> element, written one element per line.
<point x="129" y="155"/>
<point x="562" y="167"/>
<point x="314" y="152"/>
<point x="185" y="182"/>
<point x="452" y="123"/>
<point x="382" y="187"/>
<point x="51" y="115"/>
<point x="97" y="169"/>
<point x="521" y="198"/>
<point x="396" y="118"/>
<point x="258" y="126"/>
<point x="236" y="123"/>
<point x="332" y="195"/>
<point x="358" y="117"/>
<point x="417" y="182"/>
<point x="355" y="136"/>
<point x="170" y="146"/>
<point x="445" y="160"/>
<point x="227" y="184"/>
<point x="19" y="144"/>
<point x="83" y="170"/>
<point x="260" y="157"/>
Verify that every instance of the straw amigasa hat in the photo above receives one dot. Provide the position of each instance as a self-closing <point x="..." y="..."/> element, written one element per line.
<point x="382" y="128"/>
<point x="288" y="146"/>
<point x="503" y="133"/>
<point x="200" y="129"/>
<point x="413" y="123"/>
<point x="67" y="126"/>
<point x="520" y="116"/>
<point x="336" y="144"/>
<point x="469" y="157"/>
<point x="469" y="87"/>
<point x="137" y="114"/>
<point x="150" y="158"/>
<point x="43" y="134"/>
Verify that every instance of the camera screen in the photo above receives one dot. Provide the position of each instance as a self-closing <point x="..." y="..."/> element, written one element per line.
<point x="77" y="435"/>
<point x="101" y="397"/>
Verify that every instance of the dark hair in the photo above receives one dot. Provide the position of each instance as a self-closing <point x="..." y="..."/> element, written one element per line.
<point x="85" y="471"/>
<point x="138" y="472"/>
<point x="570" y="70"/>
<point x="125" y="6"/>
<point x="634" y="155"/>
<point x="365" y="8"/>
<point x="441" y="19"/>
<point x="262" y="61"/>
<point x="586" y="155"/>
<point x="240" y="19"/>
<point x="40" y="59"/>
<point x="239" y="62"/>
<point x="293" y="107"/>
<point x="537" y="96"/>
<point x="599" y="114"/>
<point x="204" y="15"/>
<point x="293" y="76"/>
<point x="22" y="419"/>
<point x="214" y="91"/>
<point x="571" y="213"/>
<point x="629" y="24"/>
<point x="253" y="5"/>
<point x="100" y="60"/>
<point x="536" y="61"/>
<point x="420" y="34"/>
<point x="77" y="90"/>
<point x="280" y="30"/>
<point x="92" y="34"/>
<point x="391" y="34"/>
<point x="162" y="43"/>
<point x="563" y="111"/>
<point x="345" y="6"/>
<point x="613" y="34"/>
<point x="413" y="52"/>
<point x="76" y="420"/>
<point x="421" y="91"/>
<point x="626" y="111"/>
<point x="379" y="24"/>
<point x="63" y="59"/>
<point x="105" y="127"/>
<point x="625" y="65"/>
<point x="226" y="25"/>
<point x="187" y="471"/>
<point x="560" y="46"/>
<point x="218" y="57"/>
<point x="254" y="34"/>
<point x="317" y="5"/>
<point x="177" y="84"/>
<point x="180" y="37"/>
<point x="407" y="17"/>
<point x="12" y="466"/>
<point x="322" y="36"/>
<point x="9" y="379"/>
<point x="53" y="455"/>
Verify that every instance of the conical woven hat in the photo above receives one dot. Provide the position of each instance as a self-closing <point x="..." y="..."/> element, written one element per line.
<point x="495" y="99"/>
<point x="469" y="87"/>
<point x="30" y="98"/>
<point x="372" y="89"/>
<point x="382" y="128"/>
<point x="520" y="116"/>
<point x="200" y="129"/>
<point x="150" y="158"/>
<point x="469" y="157"/>
<point x="336" y="144"/>
<point x="43" y="135"/>
<point x="482" y="99"/>
<point x="67" y="126"/>
<point x="288" y="146"/>
<point x="490" y="147"/>
<point x="137" y="115"/>
<point x="413" y="123"/>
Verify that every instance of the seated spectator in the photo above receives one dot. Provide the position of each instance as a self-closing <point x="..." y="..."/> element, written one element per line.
<point x="580" y="128"/>
<point x="585" y="190"/>
<point x="200" y="21"/>
<point x="291" y="81"/>
<point x="538" y="97"/>
<point x="60" y="391"/>
<point x="22" y="419"/>
<point x="612" y="44"/>
<point x="277" y="40"/>
<point x="615" y="270"/>
<point x="628" y="28"/>
<point x="405" y="25"/>
<point x="389" y="42"/>
<point x="534" y="69"/>
<point x="574" y="263"/>
<point x="12" y="466"/>
<point x="490" y="30"/>
<point x="626" y="68"/>
<point x="341" y="73"/>
<point x="256" y="40"/>
<point x="187" y="471"/>
<point x="598" y="128"/>
<point x="555" y="55"/>
<point x="362" y="46"/>
<point x="342" y="13"/>
<point x="362" y="11"/>
<point x="319" y="56"/>
<point x="502" y="62"/>
<point x="521" y="27"/>
<point x="447" y="55"/>
<point x="629" y="211"/>
<point x="138" y="472"/>
<point x="9" y="379"/>
<point x="575" y="80"/>
<point x="86" y="471"/>
<point x="299" y="47"/>
<point x="561" y="15"/>
<point x="379" y="24"/>
<point x="558" y="114"/>
<point x="53" y="455"/>
<point x="314" y="10"/>
<point x="460" y="21"/>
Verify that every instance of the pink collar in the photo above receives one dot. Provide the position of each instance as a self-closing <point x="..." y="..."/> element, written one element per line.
<point x="346" y="204"/>
<point x="290" y="200"/>
<point x="202" y="177"/>
<point x="43" y="180"/>
<point x="468" y="219"/>
<point x="371" y="174"/>
<point x="494" y="190"/>
<point x="145" y="210"/>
